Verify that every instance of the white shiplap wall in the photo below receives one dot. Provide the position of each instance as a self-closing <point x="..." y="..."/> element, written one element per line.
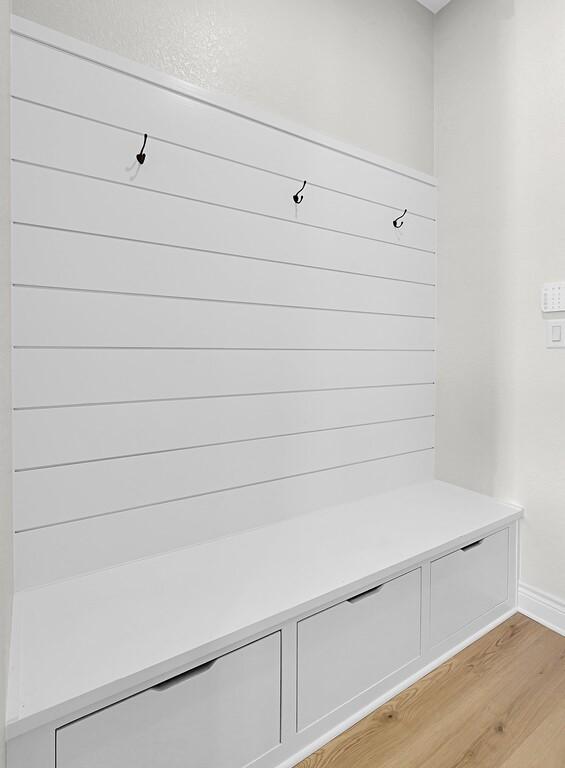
<point x="194" y="354"/>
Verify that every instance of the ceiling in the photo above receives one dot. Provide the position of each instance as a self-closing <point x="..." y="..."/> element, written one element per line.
<point x="434" y="5"/>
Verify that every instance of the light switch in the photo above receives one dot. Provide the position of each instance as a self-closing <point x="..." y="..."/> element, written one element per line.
<point x="555" y="333"/>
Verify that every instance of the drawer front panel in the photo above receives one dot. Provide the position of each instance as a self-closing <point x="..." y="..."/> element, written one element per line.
<point x="225" y="714"/>
<point x="468" y="583"/>
<point x="347" y="649"/>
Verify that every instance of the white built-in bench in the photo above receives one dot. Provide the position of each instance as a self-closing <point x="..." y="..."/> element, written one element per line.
<point x="292" y="632"/>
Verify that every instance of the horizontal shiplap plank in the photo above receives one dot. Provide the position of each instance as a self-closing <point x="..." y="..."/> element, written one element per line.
<point x="76" y="260"/>
<point x="65" y="435"/>
<point x="50" y="77"/>
<point x="102" y="542"/>
<point x="55" y="139"/>
<point x="47" y="377"/>
<point x="55" y="199"/>
<point x="47" y="317"/>
<point x="58" y="494"/>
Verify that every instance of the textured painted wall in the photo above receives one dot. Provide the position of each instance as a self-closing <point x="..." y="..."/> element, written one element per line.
<point x="360" y="70"/>
<point x="500" y="117"/>
<point x="5" y="374"/>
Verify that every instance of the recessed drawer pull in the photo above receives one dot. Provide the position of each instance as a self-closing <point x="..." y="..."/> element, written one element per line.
<point x="166" y="684"/>
<point x="363" y="595"/>
<point x="472" y="546"/>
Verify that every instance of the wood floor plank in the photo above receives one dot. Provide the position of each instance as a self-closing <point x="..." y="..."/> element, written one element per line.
<point x="545" y="746"/>
<point x="478" y="709"/>
<point x="501" y="711"/>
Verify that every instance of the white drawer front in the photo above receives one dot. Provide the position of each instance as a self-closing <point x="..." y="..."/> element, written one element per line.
<point x="345" y="650"/>
<point x="224" y="715"/>
<point x="468" y="583"/>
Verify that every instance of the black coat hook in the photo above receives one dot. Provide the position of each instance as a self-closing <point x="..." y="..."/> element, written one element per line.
<point x="397" y="222"/>
<point x="141" y="157"/>
<point x="298" y="198"/>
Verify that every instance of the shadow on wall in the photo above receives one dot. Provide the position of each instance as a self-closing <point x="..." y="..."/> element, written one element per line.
<point x="500" y="105"/>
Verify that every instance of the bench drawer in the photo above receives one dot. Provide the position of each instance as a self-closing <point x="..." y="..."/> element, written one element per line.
<point x="224" y="714"/>
<point x="350" y="647"/>
<point x="467" y="584"/>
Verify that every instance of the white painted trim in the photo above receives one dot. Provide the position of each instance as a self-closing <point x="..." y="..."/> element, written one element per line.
<point x="541" y="607"/>
<point x="41" y="34"/>
<point x="390" y="694"/>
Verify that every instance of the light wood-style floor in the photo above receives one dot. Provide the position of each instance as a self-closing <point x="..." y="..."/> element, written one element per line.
<point x="498" y="704"/>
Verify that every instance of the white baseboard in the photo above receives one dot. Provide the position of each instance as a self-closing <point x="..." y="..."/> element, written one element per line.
<point x="541" y="607"/>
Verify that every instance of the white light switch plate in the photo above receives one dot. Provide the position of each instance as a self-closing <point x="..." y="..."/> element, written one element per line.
<point x="553" y="297"/>
<point x="554" y="333"/>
